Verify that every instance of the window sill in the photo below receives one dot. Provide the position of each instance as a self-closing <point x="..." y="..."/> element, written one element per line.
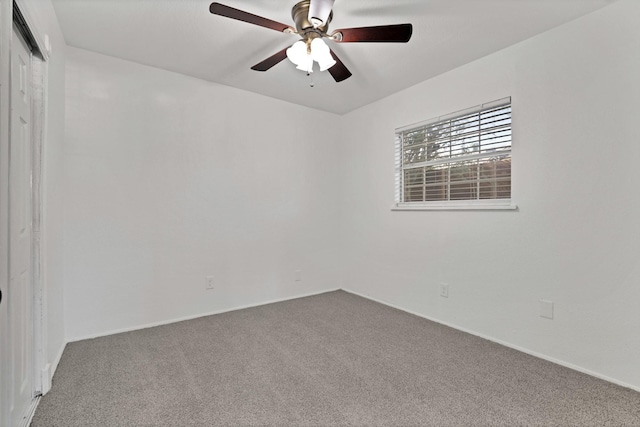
<point x="490" y="205"/>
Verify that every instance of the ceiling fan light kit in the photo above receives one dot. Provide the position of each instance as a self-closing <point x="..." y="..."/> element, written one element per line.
<point x="312" y="18"/>
<point x="303" y="54"/>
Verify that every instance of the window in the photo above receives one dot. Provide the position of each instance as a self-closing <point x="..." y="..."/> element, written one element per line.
<point x="462" y="160"/>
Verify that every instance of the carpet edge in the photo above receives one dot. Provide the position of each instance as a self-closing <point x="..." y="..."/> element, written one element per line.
<point x="195" y="316"/>
<point x="504" y="343"/>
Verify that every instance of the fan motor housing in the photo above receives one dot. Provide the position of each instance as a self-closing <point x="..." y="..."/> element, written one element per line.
<point x="300" y="15"/>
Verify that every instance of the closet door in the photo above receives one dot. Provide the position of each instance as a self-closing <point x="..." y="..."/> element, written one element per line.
<point x="20" y="291"/>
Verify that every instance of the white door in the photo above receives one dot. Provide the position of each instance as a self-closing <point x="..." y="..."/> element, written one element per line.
<point x="19" y="298"/>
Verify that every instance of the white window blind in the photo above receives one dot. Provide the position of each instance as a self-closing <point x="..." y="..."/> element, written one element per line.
<point x="464" y="156"/>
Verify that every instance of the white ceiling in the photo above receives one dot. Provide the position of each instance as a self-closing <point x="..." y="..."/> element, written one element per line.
<point x="182" y="36"/>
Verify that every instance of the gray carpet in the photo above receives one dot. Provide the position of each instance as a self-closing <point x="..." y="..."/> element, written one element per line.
<point x="329" y="360"/>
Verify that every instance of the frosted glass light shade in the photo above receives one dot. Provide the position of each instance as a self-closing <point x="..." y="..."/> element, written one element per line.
<point x="321" y="53"/>
<point x="298" y="55"/>
<point x="306" y="65"/>
<point x="319" y="11"/>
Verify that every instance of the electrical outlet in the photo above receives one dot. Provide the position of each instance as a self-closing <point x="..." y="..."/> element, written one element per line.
<point x="209" y="284"/>
<point x="444" y="290"/>
<point x="298" y="276"/>
<point x="546" y="309"/>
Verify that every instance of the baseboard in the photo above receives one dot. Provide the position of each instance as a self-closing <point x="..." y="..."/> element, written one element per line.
<point x="26" y="420"/>
<point x="451" y="325"/>
<point x="504" y="343"/>
<point x="195" y="316"/>
<point x="45" y="375"/>
<point x="50" y="369"/>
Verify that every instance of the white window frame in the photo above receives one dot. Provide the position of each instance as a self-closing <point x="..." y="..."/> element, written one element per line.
<point x="473" y="204"/>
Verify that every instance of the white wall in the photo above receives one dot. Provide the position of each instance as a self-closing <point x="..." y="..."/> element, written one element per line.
<point x="576" y="237"/>
<point x="169" y="179"/>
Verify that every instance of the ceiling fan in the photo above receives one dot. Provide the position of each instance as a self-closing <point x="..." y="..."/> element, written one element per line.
<point x="312" y="18"/>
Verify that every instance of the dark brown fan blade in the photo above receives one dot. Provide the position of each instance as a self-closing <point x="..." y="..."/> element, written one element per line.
<point x="339" y="72"/>
<point x="271" y="61"/>
<point x="230" y="12"/>
<point x="400" y="33"/>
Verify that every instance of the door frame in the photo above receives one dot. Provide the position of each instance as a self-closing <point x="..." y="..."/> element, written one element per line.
<point x="6" y="23"/>
<point x="41" y="371"/>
